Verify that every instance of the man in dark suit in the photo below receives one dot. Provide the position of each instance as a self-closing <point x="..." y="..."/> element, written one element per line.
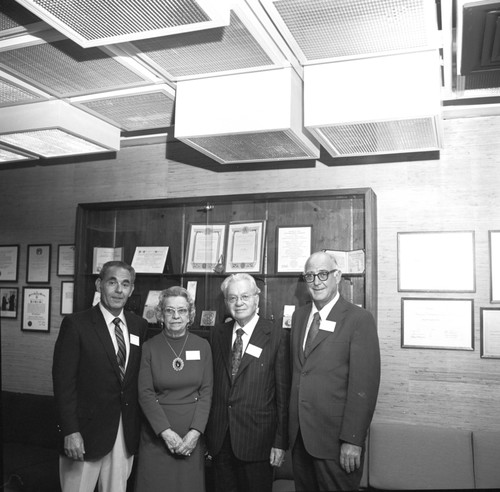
<point x="95" y="368"/>
<point x="335" y="381"/>
<point x="247" y="429"/>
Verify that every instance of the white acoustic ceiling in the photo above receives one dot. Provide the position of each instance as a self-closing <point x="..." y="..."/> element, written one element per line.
<point x="125" y="62"/>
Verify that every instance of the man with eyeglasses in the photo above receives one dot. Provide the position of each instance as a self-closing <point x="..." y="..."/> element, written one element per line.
<point x="335" y="379"/>
<point x="247" y="431"/>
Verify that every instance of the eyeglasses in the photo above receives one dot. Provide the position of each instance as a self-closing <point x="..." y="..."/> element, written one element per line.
<point x="322" y="276"/>
<point x="180" y="312"/>
<point x="244" y="298"/>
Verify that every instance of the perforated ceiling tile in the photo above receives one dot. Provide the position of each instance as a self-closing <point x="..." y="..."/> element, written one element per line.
<point x="215" y="50"/>
<point x="95" y="23"/>
<point x="251" y="147"/>
<point x="12" y="16"/>
<point x="383" y="137"/>
<point x="137" y="111"/>
<point x="13" y="94"/>
<point x="65" y="69"/>
<point x="7" y="155"/>
<point x="324" y="29"/>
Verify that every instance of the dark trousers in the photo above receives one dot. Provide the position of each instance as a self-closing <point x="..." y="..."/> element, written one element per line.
<point x="234" y="475"/>
<point x="312" y="474"/>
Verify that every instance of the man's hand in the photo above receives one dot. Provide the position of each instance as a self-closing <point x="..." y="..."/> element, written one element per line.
<point x="350" y="457"/>
<point x="73" y="446"/>
<point x="277" y="457"/>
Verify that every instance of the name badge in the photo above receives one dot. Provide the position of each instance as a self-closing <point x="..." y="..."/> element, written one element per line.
<point x="193" y="355"/>
<point x="134" y="340"/>
<point x="253" y="350"/>
<point x="328" y="326"/>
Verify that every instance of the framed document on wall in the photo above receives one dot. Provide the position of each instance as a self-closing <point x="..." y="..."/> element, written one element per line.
<point x="38" y="271"/>
<point x="437" y="323"/>
<point x="490" y="333"/>
<point x="436" y="262"/>
<point x="36" y="309"/>
<point x="66" y="260"/>
<point x="9" y="262"/>
<point x="494" y="240"/>
<point x="245" y="247"/>
<point x="293" y="248"/>
<point x="205" y="248"/>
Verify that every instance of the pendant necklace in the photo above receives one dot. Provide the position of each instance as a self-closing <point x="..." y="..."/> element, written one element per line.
<point x="177" y="363"/>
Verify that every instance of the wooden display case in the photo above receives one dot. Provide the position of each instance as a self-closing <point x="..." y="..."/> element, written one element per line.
<point x="340" y="219"/>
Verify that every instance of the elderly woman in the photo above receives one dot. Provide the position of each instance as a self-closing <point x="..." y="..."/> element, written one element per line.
<point x="175" y="393"/>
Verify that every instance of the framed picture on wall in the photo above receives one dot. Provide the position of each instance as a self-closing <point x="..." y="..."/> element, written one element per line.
<point x="245" y="247"/>
<point x="36" y="309"/>
<point x="38" y="271"/>
<point x="67" y="289"/>
<point x="293" y="248"/>
<point x="490" y="333"/>
<point x="436" y="262"/>
<point x="9" y="262"/>
<point x="205" y="248"/>
<point x="437" y="323"/>
<point x="9" y="297"/>
<point x="494" y="242"/>
<point x="66" y="260"/>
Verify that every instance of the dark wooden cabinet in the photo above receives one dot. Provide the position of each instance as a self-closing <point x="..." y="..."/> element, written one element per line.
<point x="340" y="220"/>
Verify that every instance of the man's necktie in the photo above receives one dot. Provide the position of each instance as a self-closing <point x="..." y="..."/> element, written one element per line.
<point x="122" y="351"/>
<point x="313" y="331"/>
<point x="237" y="352"/>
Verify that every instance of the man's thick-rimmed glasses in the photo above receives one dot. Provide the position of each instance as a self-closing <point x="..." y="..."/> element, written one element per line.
<point x="322" y="276"/>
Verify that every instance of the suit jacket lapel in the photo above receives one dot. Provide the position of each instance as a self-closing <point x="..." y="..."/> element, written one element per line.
<point x="259" y="338"/>
<point x="301" y="326"/>
<point x="103" y="334"/>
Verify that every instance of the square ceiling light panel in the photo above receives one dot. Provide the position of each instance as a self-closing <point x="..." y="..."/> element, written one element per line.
<point x="141" y="108"/>
<point x="247" y="44"/>
<point x="55" y="129"/>
<point x="250" y="117"/>
<point x="378" y="105"/>
<point x="320" y="30"/>
<point x="97" y="23"/>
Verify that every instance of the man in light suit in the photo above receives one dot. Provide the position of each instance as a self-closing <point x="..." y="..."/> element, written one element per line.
<point x="247" y="430"/>
<point x="335" y="381"/>
<point x="95" y="369"/>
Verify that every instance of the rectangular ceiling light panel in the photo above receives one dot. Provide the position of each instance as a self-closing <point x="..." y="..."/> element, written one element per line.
<point x="248" y="117"/>
<point x="12" y="155"/>
<point x="55" y="128"/>
<point x="321" y="30"/>
<point x="96" y="23"/>
<point x="242" y="46"/>
<point x="136" y="109"/>
<point x="376" y="105"/>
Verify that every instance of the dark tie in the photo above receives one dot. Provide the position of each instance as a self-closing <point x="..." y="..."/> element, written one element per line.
<point x="122" y="351"/>
<point x="313" y="331"/>
<point x="237" y="352"/>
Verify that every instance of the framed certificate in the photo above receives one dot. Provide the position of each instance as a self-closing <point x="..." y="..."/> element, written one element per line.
<point x="490" y="333"/>
<point x="36" y="309"/>
<point x="9" y="297"/>
<point x="494" y="240"/>
<point x="38" y="270"/>
<point x="66" y="260"/>
<point x="149" y="259"/>
<point x="67" y="289"/>
<point x="205" y="248"/>
<point x="437" y="323"/>
<point x="293" y="248"/>
<point x="245" y="246"/>
<point x="9" y="263"/>
<point x="436" y="261"/>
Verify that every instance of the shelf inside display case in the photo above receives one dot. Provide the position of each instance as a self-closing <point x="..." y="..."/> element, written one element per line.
<point x="209" y="238"/>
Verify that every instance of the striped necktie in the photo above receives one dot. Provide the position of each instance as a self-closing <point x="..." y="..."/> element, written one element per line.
<point x="122" y="351"/>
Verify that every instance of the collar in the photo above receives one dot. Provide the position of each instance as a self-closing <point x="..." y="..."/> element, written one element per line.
<point x="108" y="317"/>
<point x="249" y="327"/>
<point x="325" y="310"/>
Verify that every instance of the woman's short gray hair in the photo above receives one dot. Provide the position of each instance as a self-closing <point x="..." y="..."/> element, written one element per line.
<point x="175" y="291"/>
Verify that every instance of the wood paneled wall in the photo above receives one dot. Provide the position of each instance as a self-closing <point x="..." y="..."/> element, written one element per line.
<point x="460" y="191"/>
